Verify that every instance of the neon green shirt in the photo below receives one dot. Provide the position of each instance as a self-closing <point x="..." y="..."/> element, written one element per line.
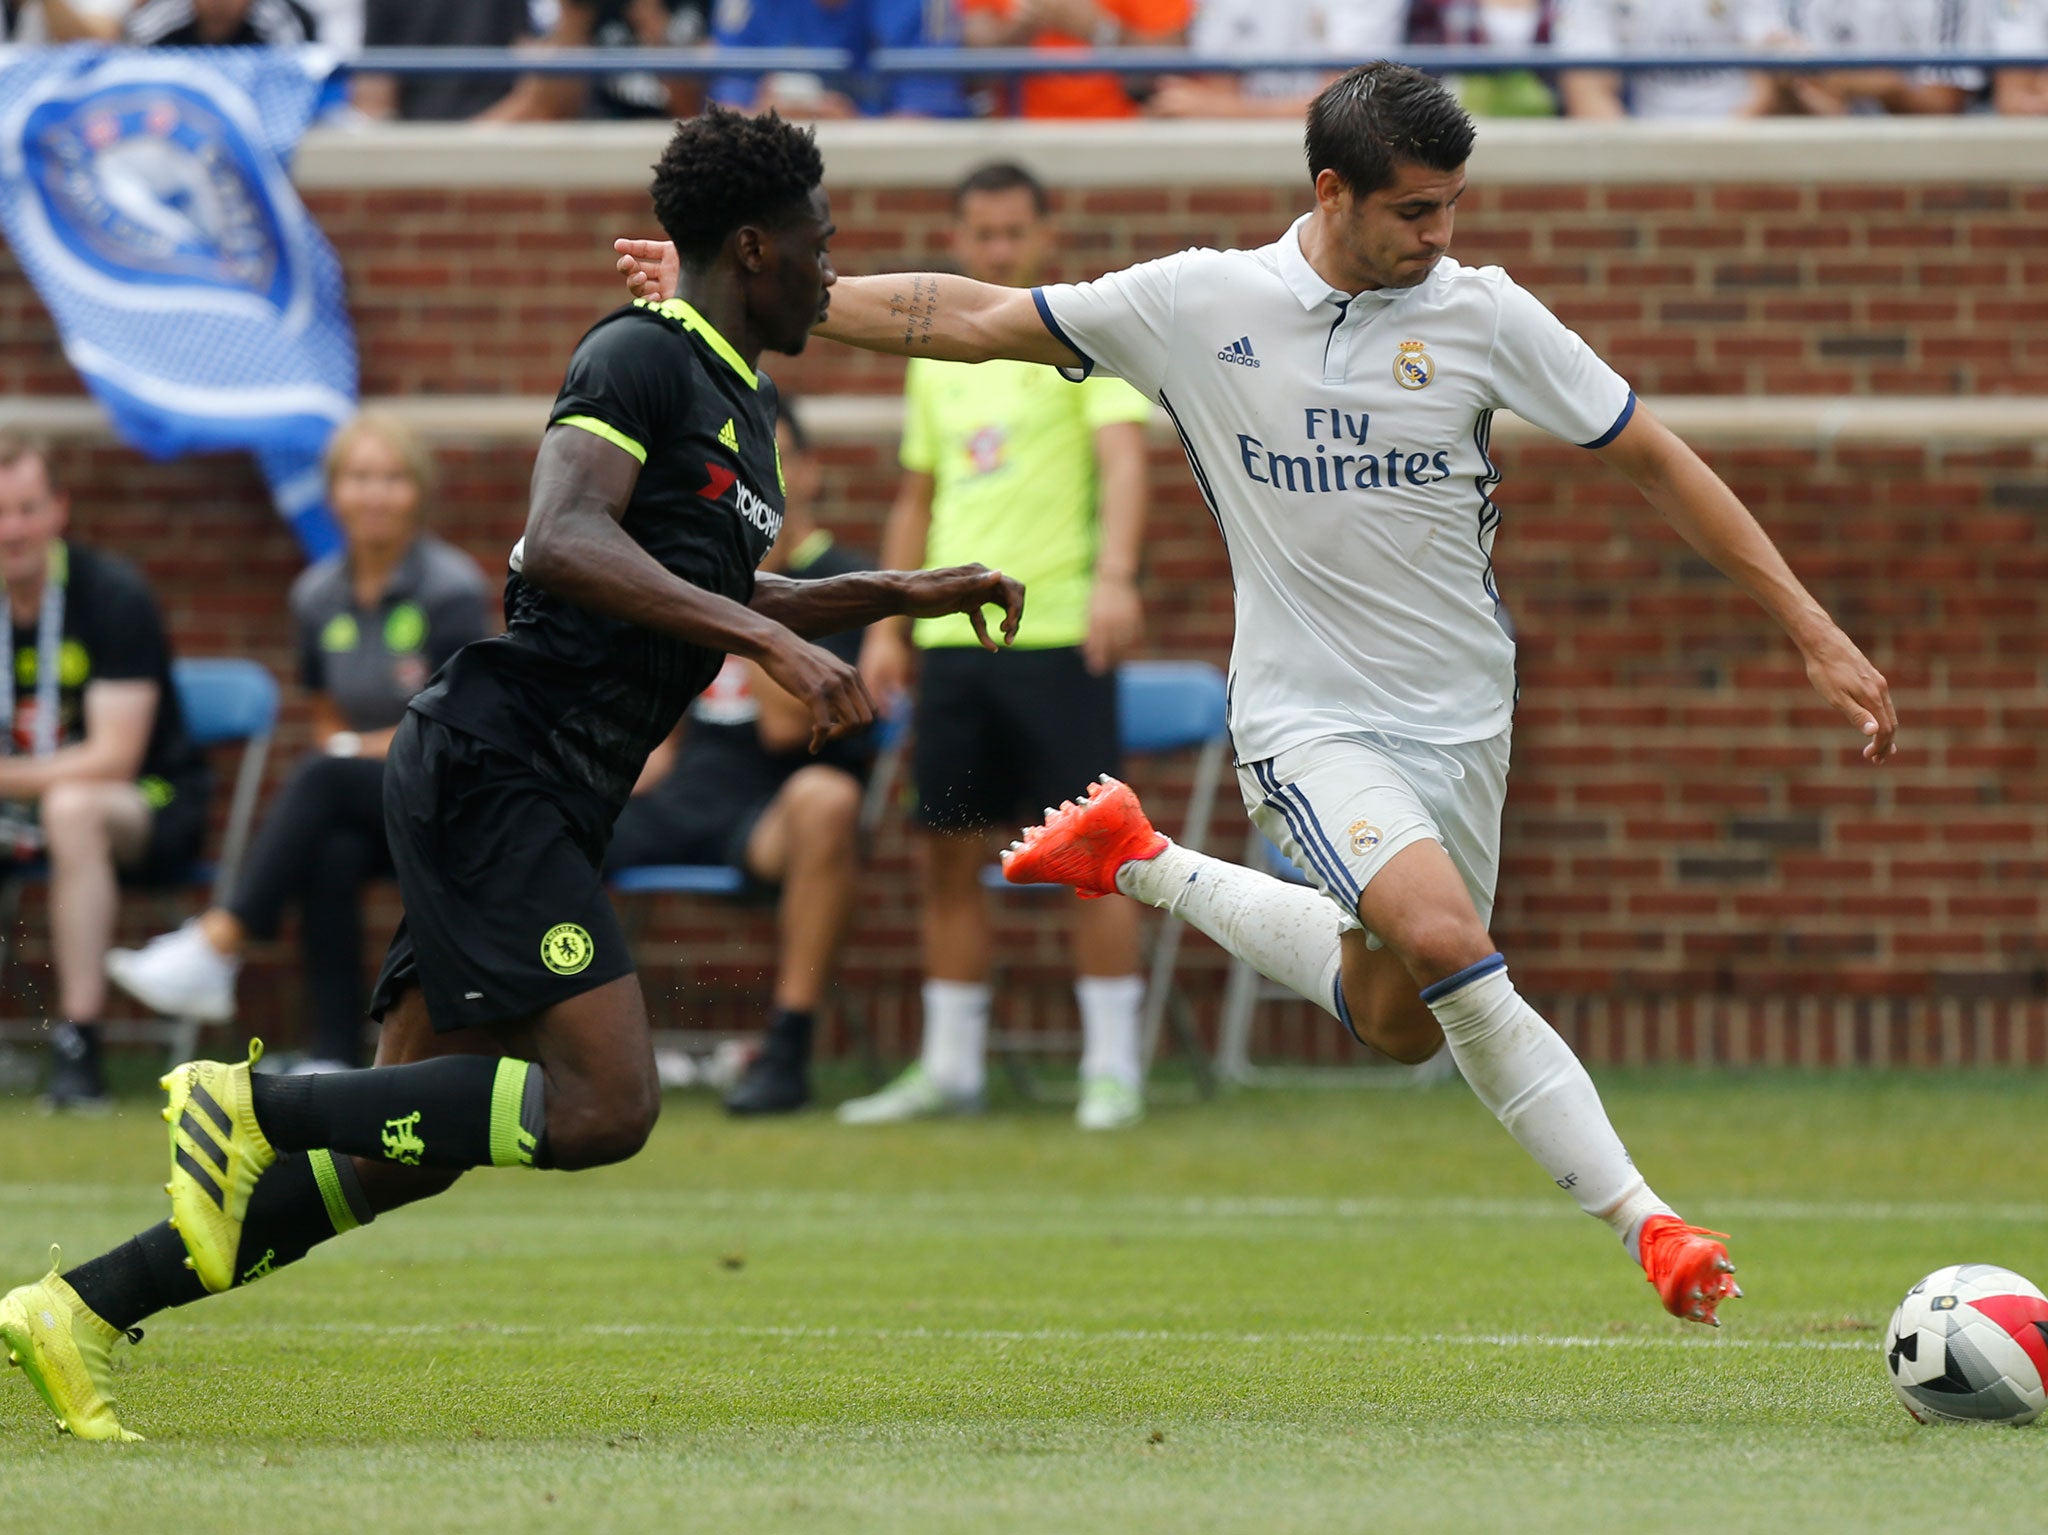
<point x="1010" y="447"/>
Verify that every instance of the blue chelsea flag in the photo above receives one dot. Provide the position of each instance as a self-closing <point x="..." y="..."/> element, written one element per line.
<point x="146" y="195"/>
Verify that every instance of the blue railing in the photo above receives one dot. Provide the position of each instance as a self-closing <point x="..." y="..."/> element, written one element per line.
<point x="898" y="63"/>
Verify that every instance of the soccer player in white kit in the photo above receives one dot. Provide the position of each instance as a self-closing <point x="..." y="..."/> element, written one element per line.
<point x="1334" y="392"/>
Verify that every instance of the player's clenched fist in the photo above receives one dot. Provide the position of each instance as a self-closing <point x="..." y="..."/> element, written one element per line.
<point x="965" y="589"/>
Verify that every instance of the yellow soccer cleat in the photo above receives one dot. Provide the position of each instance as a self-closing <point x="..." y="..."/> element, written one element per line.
<point x="218" y="1151"/>
<point x="67" y="1353"/>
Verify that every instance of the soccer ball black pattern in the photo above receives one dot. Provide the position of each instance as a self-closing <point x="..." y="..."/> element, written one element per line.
<point x="1969" y="1344"/>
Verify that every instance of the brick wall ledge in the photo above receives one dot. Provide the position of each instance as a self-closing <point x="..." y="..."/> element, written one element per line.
<point x="1789" y="419"/>
<point x="608" y="156"/>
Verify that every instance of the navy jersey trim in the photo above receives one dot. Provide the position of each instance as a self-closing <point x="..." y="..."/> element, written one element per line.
<point x="1065" y="340"/>
<point x="1614" y="431"/>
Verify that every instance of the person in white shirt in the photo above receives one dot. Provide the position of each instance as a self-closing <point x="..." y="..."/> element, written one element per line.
<point x="1599" y="28"/>
<point x="1359" y="29"/>
<point x="2020" y="30"/>
<point x="1920" y="27"/>
<point x="1334" y="393"/>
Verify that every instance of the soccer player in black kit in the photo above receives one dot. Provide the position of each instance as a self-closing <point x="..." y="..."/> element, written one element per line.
<point x="514" y="1031"/>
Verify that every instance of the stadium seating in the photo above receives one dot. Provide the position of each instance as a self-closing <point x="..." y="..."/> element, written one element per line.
<point x="226" y="702"/>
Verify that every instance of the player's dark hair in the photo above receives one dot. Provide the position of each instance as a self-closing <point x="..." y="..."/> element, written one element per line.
<point x="1379" y="115"/>
<point x="786" y="414"/>
<point x="1002" y="176"/>
<point x="725" y="169"/>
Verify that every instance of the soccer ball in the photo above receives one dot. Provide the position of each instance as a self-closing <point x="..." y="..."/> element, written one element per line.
<point x="1969" y="1344"/>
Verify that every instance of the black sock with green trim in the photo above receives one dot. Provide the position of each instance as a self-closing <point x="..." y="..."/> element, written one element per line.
<point x="300" y="1202"/>
<point x="454" y="1111"/>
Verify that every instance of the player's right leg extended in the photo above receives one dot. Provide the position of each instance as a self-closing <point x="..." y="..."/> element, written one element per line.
<point x="1416" y="899"/>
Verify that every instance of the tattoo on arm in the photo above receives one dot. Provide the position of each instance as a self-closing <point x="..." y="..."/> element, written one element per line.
<point x="916" y="309"/>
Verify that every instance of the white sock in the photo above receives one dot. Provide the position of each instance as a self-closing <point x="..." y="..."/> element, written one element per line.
<point x="1110" y="1007"/>
<point x="1288" y="933"/>
<point x="1536" y="1087"/>
<point x="956" y="1035"/>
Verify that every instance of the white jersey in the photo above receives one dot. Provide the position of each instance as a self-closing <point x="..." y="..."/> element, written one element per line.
<point x="1900" y="26"/>
<point x="1606" y="27"/>
<point x="1340" y="440"/>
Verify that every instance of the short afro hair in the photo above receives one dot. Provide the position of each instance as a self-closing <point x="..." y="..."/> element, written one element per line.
<point x="725" y="169"/>
<point x="1380" y="115"/>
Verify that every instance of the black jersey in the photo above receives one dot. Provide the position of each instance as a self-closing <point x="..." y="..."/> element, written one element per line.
<point x="584" y="697"/>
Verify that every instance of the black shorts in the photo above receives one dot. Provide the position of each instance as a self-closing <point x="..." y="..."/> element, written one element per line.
<point x="177" y="833"/>
<point x="711" y="825"/>
<point x="505" y="909"/>
<point x="1002" y="734"/>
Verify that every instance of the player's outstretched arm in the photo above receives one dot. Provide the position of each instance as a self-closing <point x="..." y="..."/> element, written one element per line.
<point x="864" y="597"/>
<point x="1709" y="516"/>
<point x="914" y="314"/>
<point x="575" y="548"/>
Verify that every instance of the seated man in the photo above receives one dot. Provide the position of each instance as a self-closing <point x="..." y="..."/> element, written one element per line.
<point x="96" y="772"/>
<point x="743" y="789"/>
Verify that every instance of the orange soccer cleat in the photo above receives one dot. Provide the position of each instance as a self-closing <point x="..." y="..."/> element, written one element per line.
<point x="1085" y="841"/>
<point x="1690" y="1268"/>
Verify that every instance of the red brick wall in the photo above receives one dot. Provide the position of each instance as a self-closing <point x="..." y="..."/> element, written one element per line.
<point x="1697" y="866"/>
<point x="1688" y="290"/>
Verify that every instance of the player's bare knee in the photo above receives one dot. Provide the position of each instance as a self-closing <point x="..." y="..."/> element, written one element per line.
<point x="588" y="1133"/>
<point x="1433" y="947"/>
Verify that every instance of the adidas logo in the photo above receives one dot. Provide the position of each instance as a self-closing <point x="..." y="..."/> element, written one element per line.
<point x="1239" y="352"/>
<point x="729" y="437"/>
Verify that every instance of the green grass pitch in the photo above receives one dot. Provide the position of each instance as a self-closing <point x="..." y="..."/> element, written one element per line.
<point x="1301" y="1311"/>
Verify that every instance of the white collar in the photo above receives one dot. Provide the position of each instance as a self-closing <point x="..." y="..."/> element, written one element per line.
<point x="1307" y="285"/>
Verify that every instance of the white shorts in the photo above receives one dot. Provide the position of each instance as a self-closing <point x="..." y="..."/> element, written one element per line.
<point x="1340" y="806"/>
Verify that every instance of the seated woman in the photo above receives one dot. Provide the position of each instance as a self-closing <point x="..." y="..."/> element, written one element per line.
<point x="373" y="621"/>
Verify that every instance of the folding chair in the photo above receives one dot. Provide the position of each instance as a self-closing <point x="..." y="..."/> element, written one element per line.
<point x="225" y="702"/>
<point x="1162" y="707"/>
<point x="725" y="880"/>
<point x="1246" y="989"/>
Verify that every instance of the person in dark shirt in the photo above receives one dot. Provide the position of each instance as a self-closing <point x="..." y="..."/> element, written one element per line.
<point x="614" y="24"/>
<point x="97" y="775"/>
<point x="219" y="23"/>
<point x="514" y="1029"/>
<point x="736" y="786"/>
<point x="443" y="24"/>
<point x="374" y="621"/>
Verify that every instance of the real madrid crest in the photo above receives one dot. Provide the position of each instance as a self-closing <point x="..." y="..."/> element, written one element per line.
<point x="1413" y="367"/>
<point x="1364" y="837"/>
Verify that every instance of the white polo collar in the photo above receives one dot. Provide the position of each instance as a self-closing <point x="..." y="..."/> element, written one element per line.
<point x="1307" y="285"/>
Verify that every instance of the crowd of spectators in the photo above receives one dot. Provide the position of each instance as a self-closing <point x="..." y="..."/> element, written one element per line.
<point x="1209" y="30"/>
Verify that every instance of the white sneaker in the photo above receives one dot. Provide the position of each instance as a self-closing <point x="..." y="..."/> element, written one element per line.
<point x="1106" y="1104"/>
<point x="911" y="1096"/>
<point x="179" y="975"/>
